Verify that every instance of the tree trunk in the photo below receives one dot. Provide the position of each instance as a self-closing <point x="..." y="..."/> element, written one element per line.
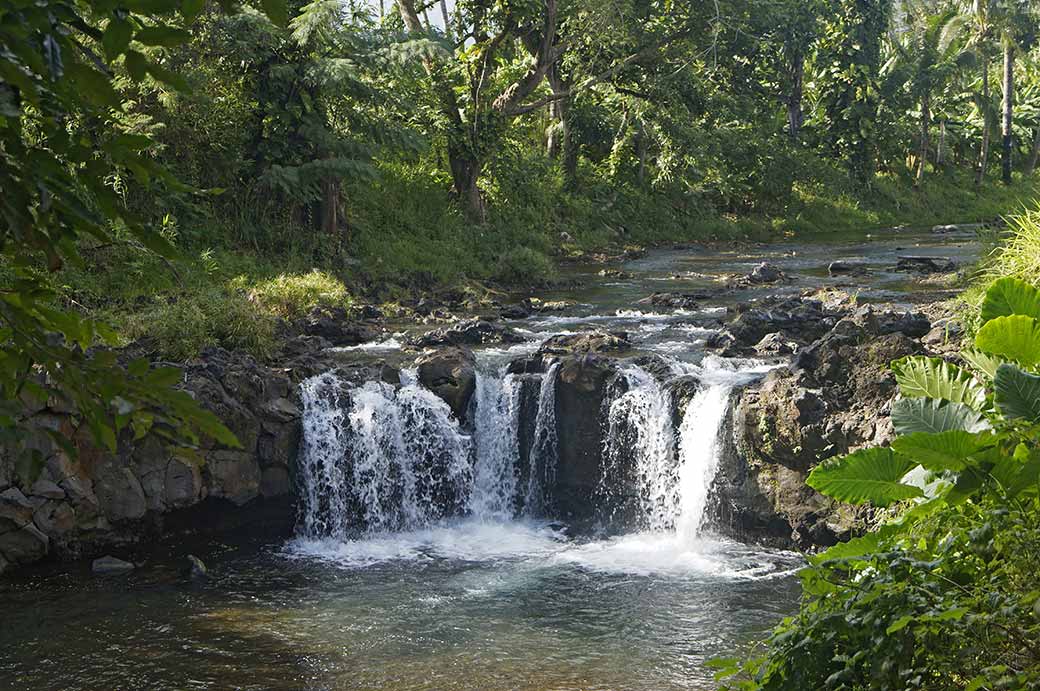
<point x="329" y="210"/>
<point x="465" y="172"/>
<point x="940" y="149"/>
<point x="795" y="116"/>
<point x="1035" y="153"/>
<point x="980" y="171"/>
<point x="447" y="20"/>
<point x="1009" y="104"/>
<point x="642" y="144"/>
<point x="560" y="144"/>
<point x="926" y="124"/>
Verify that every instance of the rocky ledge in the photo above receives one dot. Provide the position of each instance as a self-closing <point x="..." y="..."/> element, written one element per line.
<point x="78" y="505"/>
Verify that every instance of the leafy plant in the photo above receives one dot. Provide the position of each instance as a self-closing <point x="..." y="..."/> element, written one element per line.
<point x="942" y="595"/>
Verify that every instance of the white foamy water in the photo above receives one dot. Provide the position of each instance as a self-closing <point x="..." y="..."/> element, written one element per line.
<point x="497" y="441"/>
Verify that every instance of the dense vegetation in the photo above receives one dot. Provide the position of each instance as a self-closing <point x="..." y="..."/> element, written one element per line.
<point x="942" y="594"/>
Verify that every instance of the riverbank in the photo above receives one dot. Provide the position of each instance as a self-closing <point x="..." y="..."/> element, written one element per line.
<point x="417" y="253"/>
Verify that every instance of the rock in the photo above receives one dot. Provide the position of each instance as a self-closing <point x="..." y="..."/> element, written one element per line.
<point x="585" y="342"/>
<point x="15" y="507"/>
<point x="566" y="237"/>
<point x="22" y="544"/>
<point x="335" y="326"/>
<point x="468" y="333"/>
<point x="765" y="273"/>
<point x="552" y="305"/>
<point x="234" y="475"/>
<point x="183" y="483"/>
<point x="581" y="385"/>
<point x="880" y="321"/>
<point x="108" y="565"/>
<point x="614" y="273"/>
<point x="451" y="374"/>
<point x="274" y="482"/>
<point x="775" y="344"/>
<point x="194" y="568"/>
<point x="518" y="311"/>
<point x="925" y="265"/>
<point x="797" y="319"/>
<point x="55" y="518"/>
<point x="47" y="489"/>
<point x="676" y="300"/>
<point x="119" y="492"/>
<point x="944" y="229"/>
<point x="844" y="268"/>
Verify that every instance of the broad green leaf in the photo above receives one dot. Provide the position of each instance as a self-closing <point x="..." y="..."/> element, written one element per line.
<point x="1016" y="475"/>
<point x="276" y="10"/>
<point x="116" y="37"/>
<point x="987" y="364"/>
<point x="941" y="451"/>
<point x="935" y="378"/>
<point x="899" y="624"/>
<point x="136" y="65"/>
<point x="911" y="415"/>
<point x="162" y="35"/>
<point x="1008" y="296"/>
<point x="1017" y="393"/>
<point x="1015" y="338"/>
<point x="190" y="9"/>
<point x="869" y="475"/>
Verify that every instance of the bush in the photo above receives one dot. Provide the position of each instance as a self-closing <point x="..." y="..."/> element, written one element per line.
<point x="289" y="295"/>
<point x="180" y="327"/>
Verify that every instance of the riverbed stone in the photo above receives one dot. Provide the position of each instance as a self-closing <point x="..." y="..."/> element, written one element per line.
<point x="766" y="273"/>
<point x="471" y="332"/>
<point x="450" y="373"/>
<point x="109" y="565"/>
<point x="182" y="484"/>
<point x="47" y="489"/>
<point x="585" y="342"/>
<point x="119" y="492"/>
<point x="22" y="544"/>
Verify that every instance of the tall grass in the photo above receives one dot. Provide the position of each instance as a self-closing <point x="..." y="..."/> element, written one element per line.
<point x="1019" y="254"/>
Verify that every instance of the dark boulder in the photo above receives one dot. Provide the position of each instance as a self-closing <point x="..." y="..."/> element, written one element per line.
<point x="109" y="565"/>
<point x="680" y="301"/>
<point x="844" y="268"/>
<point x="471" y="332"/>
<point x="336" y="326"/>
<point x="765" y="273"/>
<point x="582" y="383"/>
<point x="585" y="342"/>
<point x="450" y="373"/>
<point x="925" y="265"/>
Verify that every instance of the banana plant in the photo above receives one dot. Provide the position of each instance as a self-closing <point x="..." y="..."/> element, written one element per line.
<point x="961" y="431"/>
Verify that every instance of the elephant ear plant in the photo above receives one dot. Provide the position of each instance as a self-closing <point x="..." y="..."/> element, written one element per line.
<point x="945" y="593"/>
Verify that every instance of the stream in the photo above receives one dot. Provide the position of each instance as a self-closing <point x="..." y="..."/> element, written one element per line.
<point x="403" y="578"/>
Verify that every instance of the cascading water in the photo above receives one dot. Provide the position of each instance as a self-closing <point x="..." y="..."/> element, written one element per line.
<point x="378" y="457"/>
<point x="497" y="445"/>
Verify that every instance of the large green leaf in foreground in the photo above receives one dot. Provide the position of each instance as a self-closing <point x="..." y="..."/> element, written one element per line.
<point x="925" y="377"/>
<point x="1017" y="393"/>
<point x="868" y="475"/>
<point x="941" y="451"/>
<point x="1009" y="296"/>
<point x="911" y="415"/>
<point x="1014" y="338"/>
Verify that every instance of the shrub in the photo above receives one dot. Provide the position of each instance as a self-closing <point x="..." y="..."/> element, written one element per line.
<point x="289" y="295"/>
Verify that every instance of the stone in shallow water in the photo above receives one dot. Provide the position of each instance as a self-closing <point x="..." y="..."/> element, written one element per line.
<point x="110" y="565"/>
<point x="195" y="568"/>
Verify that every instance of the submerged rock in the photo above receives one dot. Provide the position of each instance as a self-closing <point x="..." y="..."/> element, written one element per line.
<point x="844" y="268"/>
<point x="682" y="301"/>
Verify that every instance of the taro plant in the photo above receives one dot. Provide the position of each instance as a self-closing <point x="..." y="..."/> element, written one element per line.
<point x="944" y="594"/>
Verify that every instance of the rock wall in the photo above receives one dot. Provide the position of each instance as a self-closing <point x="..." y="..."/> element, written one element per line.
<point x="83" y="503"/>
<point x="833" y="398"/>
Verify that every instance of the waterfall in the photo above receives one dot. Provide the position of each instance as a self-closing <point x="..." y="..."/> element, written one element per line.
<point x="376" y="457"/>
<point x="639" y="431"/>
<point x="379" y="458"/>
<point x="497" y="443"/>
<point x="699" y="453"/>
<point x="543" y="455"/>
